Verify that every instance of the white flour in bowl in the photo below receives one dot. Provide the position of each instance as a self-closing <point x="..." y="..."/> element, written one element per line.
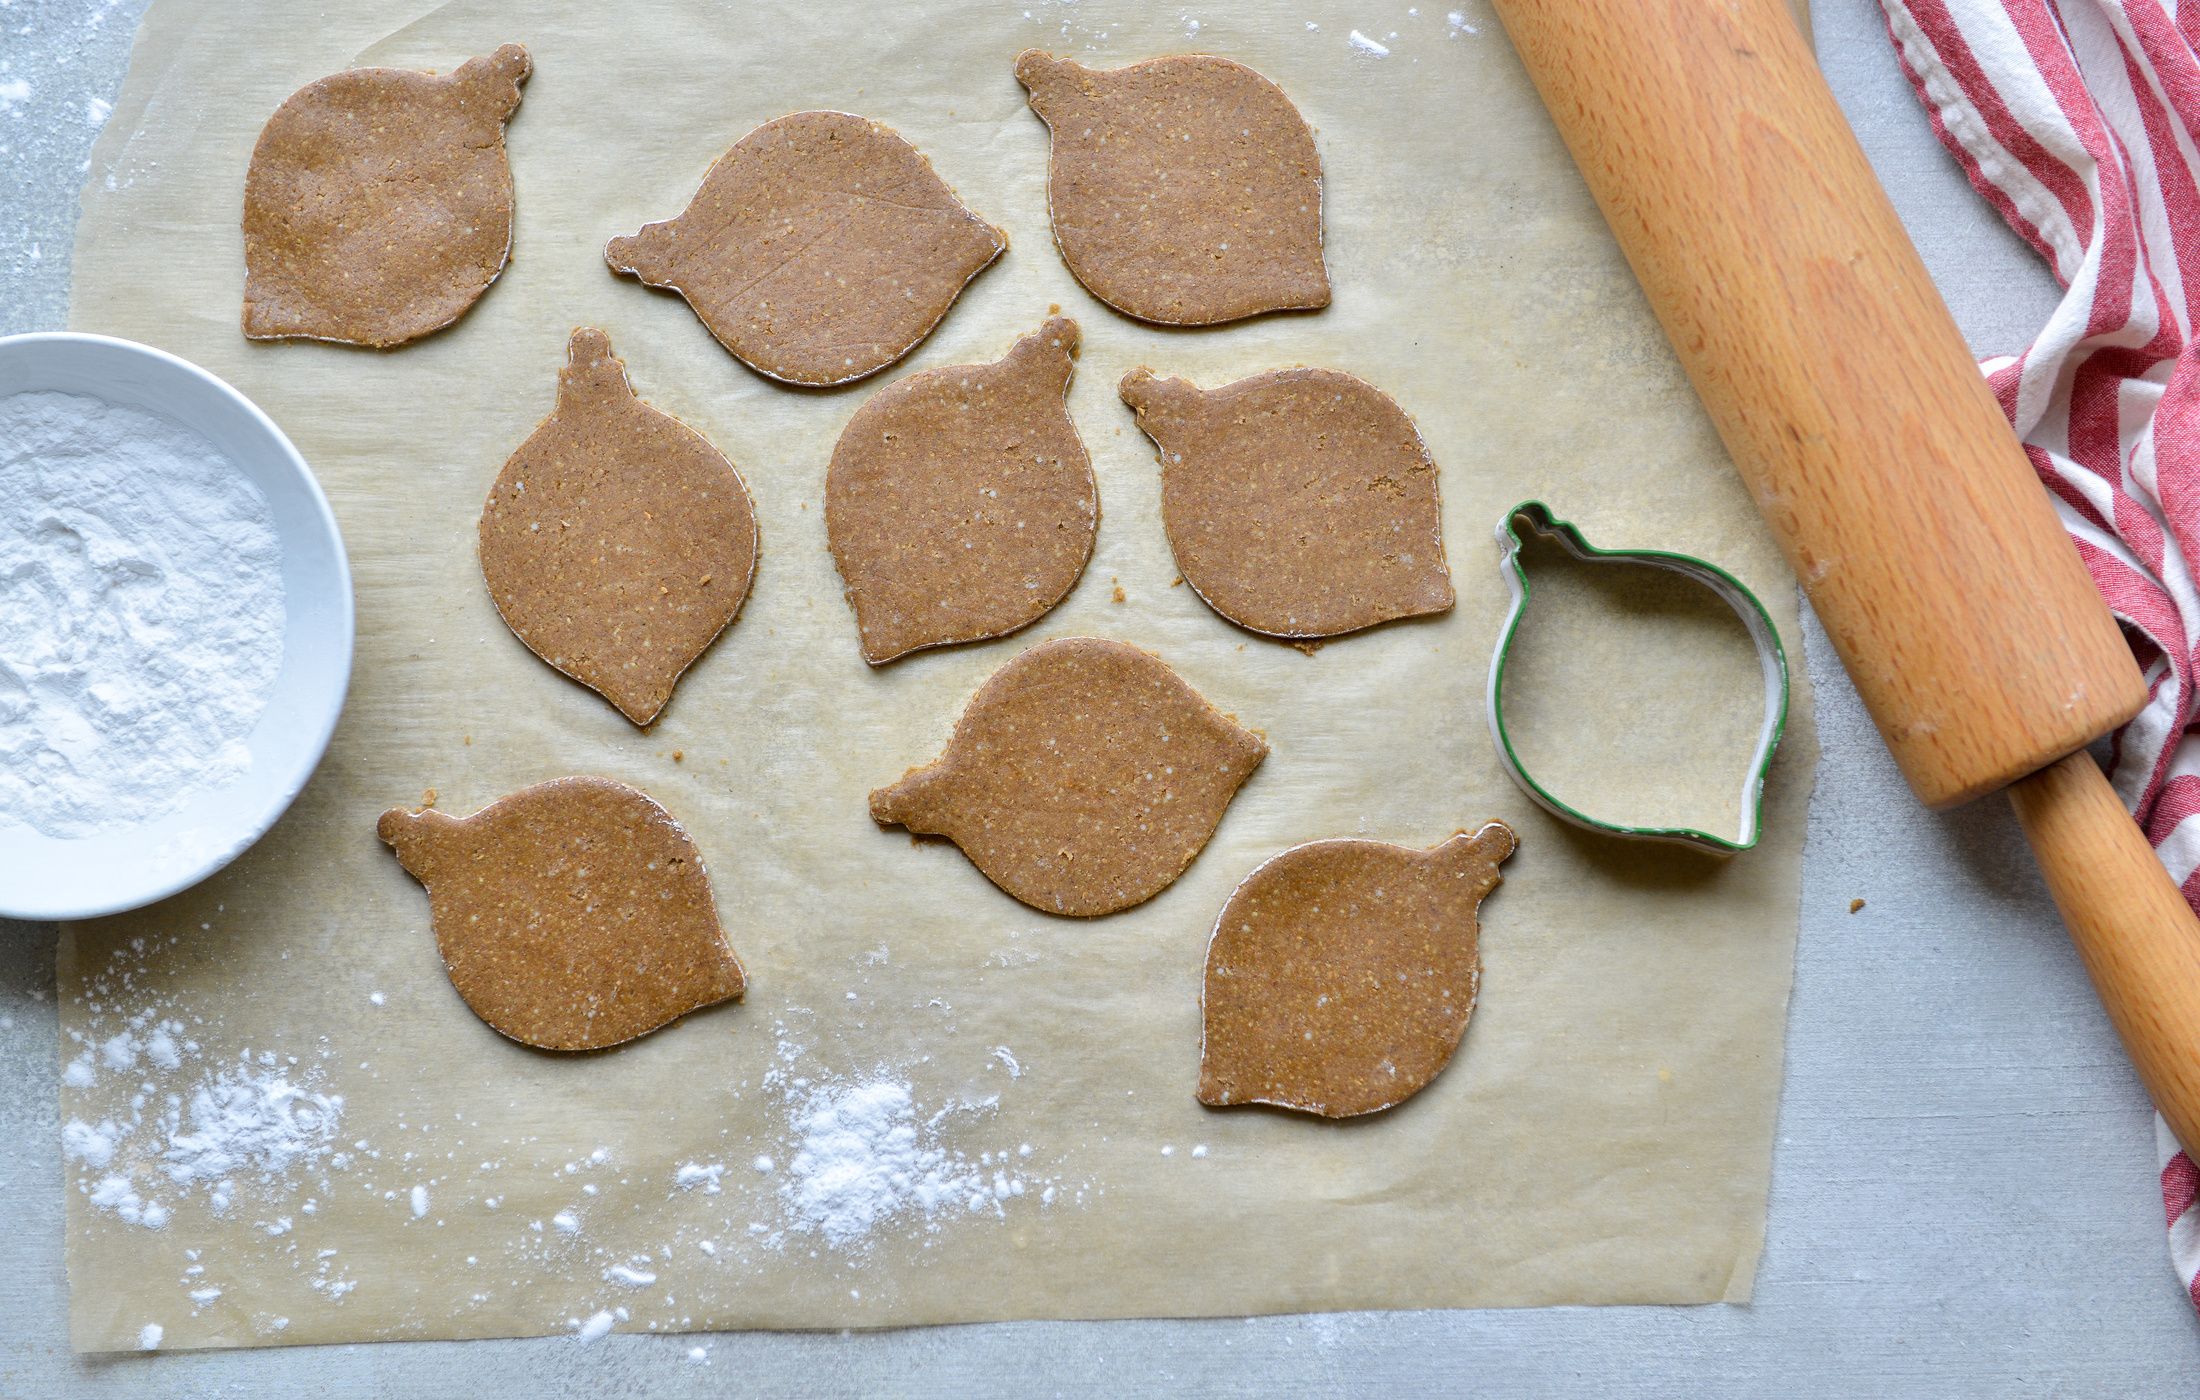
<point x="141" y="614"/>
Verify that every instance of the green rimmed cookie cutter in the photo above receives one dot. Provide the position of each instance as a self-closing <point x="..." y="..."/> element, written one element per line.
<point x="1771" y="657"/>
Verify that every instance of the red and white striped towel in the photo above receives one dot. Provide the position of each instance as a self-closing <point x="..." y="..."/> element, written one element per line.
<point x="2077" y="121"/>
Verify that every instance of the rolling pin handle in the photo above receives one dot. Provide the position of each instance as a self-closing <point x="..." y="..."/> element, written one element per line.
<point x="2132" y="926"/>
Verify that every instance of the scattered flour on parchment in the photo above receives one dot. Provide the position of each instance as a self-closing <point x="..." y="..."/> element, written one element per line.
<point x="165" y="1131"/>
<point x="214" y="1129"/>
<point x="141" y="614"/>
<point x="595" y="1328"/>
<point x="169" y="1128"/>
<point x="864" y="1159"/>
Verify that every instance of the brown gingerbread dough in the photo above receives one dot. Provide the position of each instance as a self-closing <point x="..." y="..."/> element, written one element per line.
<point x="617" y="542"/>
<point x="960" y="503"/>
<point x="1182" y="190"/>
<point x="820" y="249"/>
<point x="1082" y="778"/>
<point x="1341" y="974"/>
<point x="1299" y="503"/>
<point x="571" y="915"/>
<point x="378" y="205"/>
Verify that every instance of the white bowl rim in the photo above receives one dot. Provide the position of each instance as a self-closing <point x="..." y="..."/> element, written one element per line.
<point x="292" y="782"/>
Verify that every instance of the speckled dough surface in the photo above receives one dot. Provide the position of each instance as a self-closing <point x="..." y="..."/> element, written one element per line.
<point x="617" y="542"/>
<point x="572" y="915"/>
<point x="1183" y="190"/>
<point x="1299" y="503"/>
<point x="1341" y="974"/>
<point x="378" y="205"/>
<point x="960" y="503"/>
<point x="1082" y="779"/>
<point x="820" y="249"/>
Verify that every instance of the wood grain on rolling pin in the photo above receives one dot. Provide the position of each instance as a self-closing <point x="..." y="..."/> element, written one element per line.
<point x="1838" y="381"/>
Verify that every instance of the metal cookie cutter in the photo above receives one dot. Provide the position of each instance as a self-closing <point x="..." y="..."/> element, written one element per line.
<point x="1770" y="655"/>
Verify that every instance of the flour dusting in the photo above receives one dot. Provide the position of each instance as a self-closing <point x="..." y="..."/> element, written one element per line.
<point x="141" y="614"/>
<point x="250" y="1166"/>
<point x="216" y="1131"/>
<point x="868" y="1160"/>
<point x="167" y="1130"/>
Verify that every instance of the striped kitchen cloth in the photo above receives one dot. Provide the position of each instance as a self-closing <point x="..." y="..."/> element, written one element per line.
<point x="2078" y="121"/>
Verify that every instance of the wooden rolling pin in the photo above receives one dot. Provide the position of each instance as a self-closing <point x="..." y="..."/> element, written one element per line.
<point x="1861" y="425"/>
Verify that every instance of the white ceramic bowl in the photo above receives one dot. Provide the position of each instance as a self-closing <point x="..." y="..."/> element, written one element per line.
<point x="45" y="878"/>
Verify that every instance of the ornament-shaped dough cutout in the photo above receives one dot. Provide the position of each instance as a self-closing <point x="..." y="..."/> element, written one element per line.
<point x="1299" y="503"/>
<point x="378" y="205"/>
<point x="960" y="503"/>
<point x="1341" y="974"/>
<point x="572" y="915"/>
<point x="617" y="542"/>
<point x="1184" y="191"/>
<point x="820" y="249"/>
<point x="1082" y="779"/>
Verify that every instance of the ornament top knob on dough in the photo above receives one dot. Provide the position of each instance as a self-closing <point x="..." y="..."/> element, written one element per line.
<point x="820" y="249"/>
<point x="378" y="205"/>
<point x="1184" y="191"/>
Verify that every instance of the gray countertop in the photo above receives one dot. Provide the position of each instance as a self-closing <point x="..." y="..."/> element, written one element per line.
<point x="1963" y="1197"/>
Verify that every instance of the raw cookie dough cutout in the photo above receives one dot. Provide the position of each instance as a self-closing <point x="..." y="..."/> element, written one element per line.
<point x="1083" y="777"/>
<point x="378" y="205"/>
<point x="617" y="542"/>
<point x="820" y="249"/>
<point x="960" y="503"/>
<point x="571" y="915"/>
<point x="1184" y="191"/>
<point x="1341" y="974"/>
<point x="1299" y="503"/>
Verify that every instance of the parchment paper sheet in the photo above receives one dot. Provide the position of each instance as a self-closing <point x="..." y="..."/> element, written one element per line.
<point x="1605" y="1134"/>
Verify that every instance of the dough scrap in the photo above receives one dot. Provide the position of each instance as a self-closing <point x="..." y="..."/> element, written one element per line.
<point x="1341" y="974"/>
<point x="1083" y="778"/>
<point x="1299" y="503"/>
<point x="820" y="249"/>
<point x="960" y="503"/>
<point x="617" y="542"/>
<point x="571" y="915"/>
<point x="378" y="205"/>
<point x="1184" y="191"/>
